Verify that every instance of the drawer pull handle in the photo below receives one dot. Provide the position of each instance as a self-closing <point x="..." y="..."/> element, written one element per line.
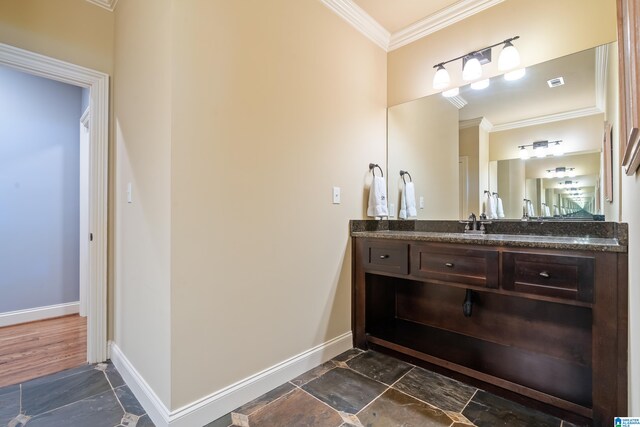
<point x="384" y="256"/>
<point x="449" y="264"/>
<point x="545" y="274"/>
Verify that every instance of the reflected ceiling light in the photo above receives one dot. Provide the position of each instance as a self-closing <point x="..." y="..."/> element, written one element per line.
<point x="509" y="57"/>
<point x="542" y="148"/>
<point x="441" y="80"/>
<point x="515" y="75"/>
<point x="563" y="172"/>
<point x="524" y="154"/>
<point x="480" y="84"/>
<point x="472" y="63"/>
<point x="451" y="92"/>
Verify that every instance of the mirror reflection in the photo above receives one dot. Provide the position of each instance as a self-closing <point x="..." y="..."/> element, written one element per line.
<point x="535" y="142"/>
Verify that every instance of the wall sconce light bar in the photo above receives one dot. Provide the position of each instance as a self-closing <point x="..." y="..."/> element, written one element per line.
<point x="541" y="149"/>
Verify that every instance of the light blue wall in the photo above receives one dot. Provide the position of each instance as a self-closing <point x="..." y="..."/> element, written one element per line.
<point x="85" y="99"/>
<point x="39" y="191"/>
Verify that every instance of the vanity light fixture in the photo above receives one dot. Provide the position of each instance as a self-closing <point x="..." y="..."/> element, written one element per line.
<point x="472" y="62"/>
<point x="515" y="74"/>
<point x="541" y="149"/>
<point x="480" y="84"/>
<point x="562" y="172"/>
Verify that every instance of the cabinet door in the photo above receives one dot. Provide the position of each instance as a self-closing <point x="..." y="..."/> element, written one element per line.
<point x="386" y="256"/>
<point x="456" y="264"/>
<point x="553" y="275"/>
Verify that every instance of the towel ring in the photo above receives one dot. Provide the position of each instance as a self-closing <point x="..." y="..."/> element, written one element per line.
<point x="403" y="173"/>
<point x="372" y="168"/>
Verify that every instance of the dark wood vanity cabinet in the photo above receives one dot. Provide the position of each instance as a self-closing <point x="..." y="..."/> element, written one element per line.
<point x="546" y="324"/>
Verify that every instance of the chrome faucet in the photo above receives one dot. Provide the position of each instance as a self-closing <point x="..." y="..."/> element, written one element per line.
<point x="475" y="226"/>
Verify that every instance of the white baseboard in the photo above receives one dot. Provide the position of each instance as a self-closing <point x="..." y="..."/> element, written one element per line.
<point x="221" y="402"/>
<point x="39" y="313"/>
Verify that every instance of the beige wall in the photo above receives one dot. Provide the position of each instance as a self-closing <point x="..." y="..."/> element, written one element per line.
<point x="469" y="145"/>
<point x="273" y="104"/>
<point x="542" y="26"/>
<point x="423" y="139"/>
<point x="511" y="186"/>
<point x="583" y="134"/>
<point x="75" y="31"/>
<point x="142" y="116"/>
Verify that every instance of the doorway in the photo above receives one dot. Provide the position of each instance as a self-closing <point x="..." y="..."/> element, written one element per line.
<point x="98" y="84"/>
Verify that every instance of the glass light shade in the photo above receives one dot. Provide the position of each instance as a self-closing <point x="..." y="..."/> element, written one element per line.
<point x="540" y="152"/>
<point x="451" y="92"/>
<point x="557" y="150"/>
<point x="515" y="74"/>
<point x="509" y="57"/>
<point x="441" y="80"/>
<point x="480" y="84"/>
<point x="472" y="70"/>
<point x="524" y="154"/>
<point x="571" y="173"/>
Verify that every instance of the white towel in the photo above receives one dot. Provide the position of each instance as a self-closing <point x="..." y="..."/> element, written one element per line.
<point x="532" y="212"/>
<point x="490" y="206"/>
<point x="556" y="211"/>
<point x="500" y="208"/>
<point x="408" y="201"/>
<point x="378" y="198"/>
<point x="547" y="211"/>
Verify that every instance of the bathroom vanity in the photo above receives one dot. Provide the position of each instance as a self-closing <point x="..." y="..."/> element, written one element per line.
<point x="546" y="306"/>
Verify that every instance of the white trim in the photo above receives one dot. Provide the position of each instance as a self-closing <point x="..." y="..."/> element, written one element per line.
<point x="602" y="57"/>
<point x="110" y="5"/>
<point x="84" y="118"/>
<point x="213" y="406"/>
<point x="370" y="28"/>
<point x="583" y="112"/>
<point x="98" y="83"/>
<point x="360" y="20"/>
<point x="481" y="122"/>
<point x="439" y="20"/>
<point x="38" y="313"/>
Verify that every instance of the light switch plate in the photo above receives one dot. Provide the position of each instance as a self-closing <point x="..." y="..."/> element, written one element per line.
<point x="129" y="199"/>
<point x="336" y="195"/>
<point x="421" y="202"/>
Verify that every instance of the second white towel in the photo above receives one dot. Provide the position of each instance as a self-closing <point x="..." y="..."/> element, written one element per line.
<point x="408" y="201"/>
<point x="378" y="198"/>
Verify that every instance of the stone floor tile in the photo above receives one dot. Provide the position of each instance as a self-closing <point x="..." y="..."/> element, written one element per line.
<point x="102" y="410"/>
<point x="394" y="409"/>
<point x="487" y="410"/>
<point x="379" y="367"/>
<point x="58" y="375"/>
<point x="129" y="401"/>
<point x="43" y="395"/>
<point x="296" y="409"/>
<point x="223" y="421"/>
<point x="314" y="373"/>
<point x="435" y="389"/>
<point x="145" y="421"/>
<point x="345" y="390"/>
<point x="347" y="355"/>
<point x="9" y="403"/>
<point x="114" y="376"/>
<point x="264" y="400"/>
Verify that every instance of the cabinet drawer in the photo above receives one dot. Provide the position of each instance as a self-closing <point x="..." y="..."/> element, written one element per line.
<point x="561" y="276"/>
<point x="390" y="257"/>
<point x="475" y="267"/>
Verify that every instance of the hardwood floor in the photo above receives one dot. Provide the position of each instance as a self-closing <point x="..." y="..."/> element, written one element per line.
<point x="34" y="349"/>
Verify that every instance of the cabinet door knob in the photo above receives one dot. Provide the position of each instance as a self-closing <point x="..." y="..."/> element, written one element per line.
<point x="545" y="274"/>
<point x="384" y="256"/>
<point x="449" y="264"/>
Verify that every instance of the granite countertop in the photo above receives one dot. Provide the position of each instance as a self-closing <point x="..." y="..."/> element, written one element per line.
<point x="544" y="242"/>
<point x="604" y="237"/>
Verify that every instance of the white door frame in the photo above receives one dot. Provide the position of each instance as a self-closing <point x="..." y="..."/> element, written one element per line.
<point x="98" y="83"/>
<point x="84" y="211"/>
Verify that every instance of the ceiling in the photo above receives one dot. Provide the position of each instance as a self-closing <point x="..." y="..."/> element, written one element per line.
<point x="394" y="15"/>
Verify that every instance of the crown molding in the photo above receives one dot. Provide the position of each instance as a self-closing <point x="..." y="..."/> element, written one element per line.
<point x="110" y="5"/>
<point x="439" y="20"/>
<point x="574" y="114"/>
<point x="602" y="57"/>
<point x="481" y="122"/>
<point x="360" y="20"/>
<point x="457" y="101"/>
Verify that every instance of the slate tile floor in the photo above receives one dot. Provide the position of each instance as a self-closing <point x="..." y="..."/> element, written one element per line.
<point x="355" y="389"/>
<point x="89" y="395"/>
<point x="369" y="389"/>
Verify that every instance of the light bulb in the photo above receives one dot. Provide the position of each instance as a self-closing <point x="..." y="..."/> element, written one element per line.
<point x="451" y="92"/>
<point x="571" y="173"/>
<point x="524" y="154"/>
<point x="480" y="84"/>
<point x="557" y="149"/>
<point x="509" y="57"/>
<point x="472" y="69"/>
<point x="515" y="75"/>
<point x="441" y="80"/>
<point x="540" y="152"/>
